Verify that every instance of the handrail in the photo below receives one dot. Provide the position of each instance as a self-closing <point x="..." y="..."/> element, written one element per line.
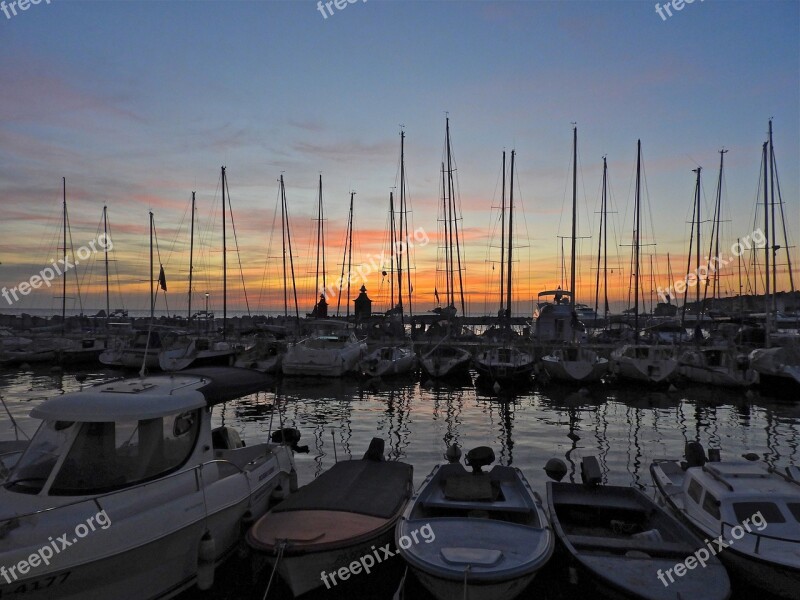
<point x="97" y="498"/>
<point x="758" y="535"/>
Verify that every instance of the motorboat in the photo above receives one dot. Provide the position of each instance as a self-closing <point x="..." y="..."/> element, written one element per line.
<point x="575" y="364"/>
<point x="345" y="513"/>
<point x="331" y="350"/>
<point x="645" y="363"/>
<point x="389" y="360"/>
<point x="718" y="366"/>
<point x="490" y="533"/>
<point x="264" y="354"/>
<point x="751" y="514"/>
<point x="778" y="370"/>
<point x="126" y="491"/>
<point x="505" y="364"/>
<point x="627" y="544"/>
<point x="445" y="360"/>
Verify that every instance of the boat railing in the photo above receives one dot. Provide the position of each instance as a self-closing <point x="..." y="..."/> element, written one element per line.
<point x="197" y="471"/>
<point x="759" y="536"/>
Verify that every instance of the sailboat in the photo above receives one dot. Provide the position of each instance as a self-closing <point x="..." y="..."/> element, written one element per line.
<point x="446" y="358"/>
<point x="644" y="363"/>
<point x="506" y="363"/>
<point x="190" y="350"/>
<point x="396" y="357"/>
<point x="332" y="348"/>
<point x="572" y="362"/>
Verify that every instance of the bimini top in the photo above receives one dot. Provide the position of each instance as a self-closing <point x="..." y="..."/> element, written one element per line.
<point x="142" y="398"/>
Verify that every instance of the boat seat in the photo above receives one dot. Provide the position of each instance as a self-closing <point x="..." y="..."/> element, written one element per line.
<point x="652" y="547"/>
<point x="479" y="557"/>
<point x="475" y="487"/>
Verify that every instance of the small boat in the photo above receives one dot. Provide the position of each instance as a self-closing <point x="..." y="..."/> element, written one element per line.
<point x="778" y="370"/>
<point x="389" y="360"/>
<point x="142" y="348"/>
<point x="627" y="544"/>
<point x="719" y="366"/>
<point x="752" y="511"/>
<point x="149" y="497"/>
<point x="505" y="364"/>
<point x="645" y="363"/>
<point x="344" y="514"/>
<point x="490" y="531"/>
<point x="264" y="354"/>
<point x="445" y="360"/>
<point x="330" y="351"/>
<point x="575" y="364"/>
<point x="191" y="352"/>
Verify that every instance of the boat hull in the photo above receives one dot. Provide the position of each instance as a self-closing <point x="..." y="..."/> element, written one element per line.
<point x="447" y="589"/>
<point x="575" y="371"/>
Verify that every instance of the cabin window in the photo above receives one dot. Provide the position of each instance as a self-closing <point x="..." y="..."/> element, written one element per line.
<point x="36" y="464"/>
<point x="795" y="508"/>
<point x="769" y="511"/>
<point x="711" y="505"/>
<point x="695" y="491"/>
<point x="112" y="455"/>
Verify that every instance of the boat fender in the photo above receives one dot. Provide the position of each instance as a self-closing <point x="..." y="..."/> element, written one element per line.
<point x="245" y="524"/>
<point x="555" y="469"/>
<point x="496" y="387"/>
<point x="206" y="552"/>
<point x="453" y="454"/>
<point x="713" y="455"/>
<point x="591" y="474"/>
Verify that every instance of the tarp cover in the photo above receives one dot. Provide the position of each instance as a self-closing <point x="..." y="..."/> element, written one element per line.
<point x="376" y="489"/>
<point x="229" y="383"/>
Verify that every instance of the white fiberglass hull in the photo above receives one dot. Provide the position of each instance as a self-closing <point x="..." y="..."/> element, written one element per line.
<point x="321" y="362"/>
<point x="575" y="371"/>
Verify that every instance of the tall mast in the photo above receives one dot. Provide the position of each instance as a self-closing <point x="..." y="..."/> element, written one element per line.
<point x="64" y="278"/>
<point x="574" y="216"/>
<point x="772" y="217"/>
<point x="636" y="240"/>
<point x="349" y="252"/>
<point x="510" y="240"/>
<point x="767" y="249"/>
<point x="320" y="245"/>
<point x="404" y="222"/>
<point x="403" y="240"/>
<point x="451" y="189"/>
<point x="105" y="255"/>
<point x="392" y="240"/>
<point x="447" y="248"/>
<point x="224" y="264"/>
<point x="191" y="261"/>
<point x="603" y="239"/>
<point x="152" y="295"/>
<point x="503" y="234"/>
<point x="697" y="239"/>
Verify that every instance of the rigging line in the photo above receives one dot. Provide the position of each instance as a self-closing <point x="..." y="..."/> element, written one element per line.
<point x="72" y="247"/>
<point x="236" y="243"/>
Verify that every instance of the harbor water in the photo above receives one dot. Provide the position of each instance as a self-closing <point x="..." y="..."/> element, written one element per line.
<point x="625" y="427"/>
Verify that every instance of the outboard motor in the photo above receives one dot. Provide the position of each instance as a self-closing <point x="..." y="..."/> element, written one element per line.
<point x="695" y="454"/>
<point x="591" y="474"/>
<point x="479" y="457"/>
<point x="289" y="436"/>
<point x="375" y="450"/>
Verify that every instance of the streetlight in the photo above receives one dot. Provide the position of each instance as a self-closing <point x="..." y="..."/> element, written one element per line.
<point x="206" y="311"/>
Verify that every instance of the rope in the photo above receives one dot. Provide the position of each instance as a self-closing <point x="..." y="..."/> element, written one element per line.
<point x="281" y="548"/>
<point x="466" y="590"/>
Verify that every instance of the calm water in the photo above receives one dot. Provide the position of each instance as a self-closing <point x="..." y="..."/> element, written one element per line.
<point x="625" y="427"/>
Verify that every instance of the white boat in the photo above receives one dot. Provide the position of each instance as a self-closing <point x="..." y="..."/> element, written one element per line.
<point x="490" y="531"/>
<point x="125" y="492"/>
<point x="341" y="516"/>
<point x="575" y="364"/>
<point x="505" y="364"/>
<point x="719" y="366"/>
<point x="645" y="363"/>
<point x="389" y="360"/>
<point x="555" y="320"/>
<point x="142" y="348"/>
<point x="752" y="511"/>
<point x="191" y="351"/>
<point x="778" y="370"/>
<point x="628" y="544"/>
<point x="330" y="351"/>
<point x="264" y="355"/>
<point x="445" y="360"/>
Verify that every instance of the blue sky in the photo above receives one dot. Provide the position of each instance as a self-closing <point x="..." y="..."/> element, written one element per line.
<point x="139" y="103"/>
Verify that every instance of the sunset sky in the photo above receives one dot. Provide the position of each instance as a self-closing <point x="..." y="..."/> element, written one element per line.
<point x="140" y="103"/>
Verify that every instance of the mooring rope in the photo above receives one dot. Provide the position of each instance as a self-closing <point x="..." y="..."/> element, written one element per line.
<point x="281" y="548"/>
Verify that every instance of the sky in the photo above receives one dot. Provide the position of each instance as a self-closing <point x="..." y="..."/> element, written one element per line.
<point x="139" y="103"/>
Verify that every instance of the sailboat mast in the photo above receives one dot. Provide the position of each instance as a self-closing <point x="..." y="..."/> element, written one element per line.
<point x="767" y="249"/>
<point x="636" y="240"/>
<point x="402" y="236"/>
<point x="510" y="240"/>
<point x="152" y="295"/>
<point x="392" y="240"/>
<point x="320" y="245"/>
<point x="574" y="216"/>
<point x="283" y="249"/>
<point x="455" y="224"/>
<point x="503" y="234"/>
<point x="64" y="278"/>
<point x="697" y="239"/>
<point x="191" y="261"/>
<point x="446" y="219"/>
<point x="772" y="216"/>
<point x="349" y="252"/>
<point x="105" y="256"/>
<point x="450" y="219"/>
<point x="224" y="264"/>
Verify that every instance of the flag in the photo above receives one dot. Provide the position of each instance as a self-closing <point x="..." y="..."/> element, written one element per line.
<point x="162" y="279"/>
<point x="436" y="294"/>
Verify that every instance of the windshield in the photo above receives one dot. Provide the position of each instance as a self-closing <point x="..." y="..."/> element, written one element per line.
<point x="34" y="467"/>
